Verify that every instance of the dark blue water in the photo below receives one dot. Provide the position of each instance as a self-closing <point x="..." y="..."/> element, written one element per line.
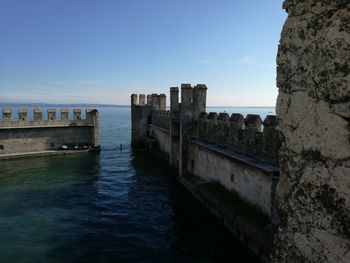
<point x="116" y="206"/>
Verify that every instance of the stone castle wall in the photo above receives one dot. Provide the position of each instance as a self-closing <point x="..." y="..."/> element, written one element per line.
<point x="250" y="135"/>
<point x="313" y="110"/>
<point x="38" y="135"/>
<point x="239" y="154"/>
<point x="253" y="184"/>
<point x="161" y="119"/>
<point x="214" y="147"/>
<point x="38" y="119"/>
<point x="142" y="107"/>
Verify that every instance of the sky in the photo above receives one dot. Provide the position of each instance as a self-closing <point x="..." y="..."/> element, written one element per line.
<point x="102" y="51"/>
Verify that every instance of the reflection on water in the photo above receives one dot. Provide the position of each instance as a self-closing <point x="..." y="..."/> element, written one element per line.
<point x="116" y="206"/>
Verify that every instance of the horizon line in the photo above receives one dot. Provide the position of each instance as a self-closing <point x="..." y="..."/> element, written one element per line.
<point x="113" y="105"/>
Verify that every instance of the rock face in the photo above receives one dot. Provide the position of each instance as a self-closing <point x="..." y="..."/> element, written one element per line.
<point x="313" y="109"/>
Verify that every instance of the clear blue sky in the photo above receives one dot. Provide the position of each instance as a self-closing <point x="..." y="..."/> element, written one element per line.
<point x="101" y="51"/>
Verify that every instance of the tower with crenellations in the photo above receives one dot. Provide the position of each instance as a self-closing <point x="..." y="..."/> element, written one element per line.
<point x="141" y="111"/>
<point x="239" y="153"/>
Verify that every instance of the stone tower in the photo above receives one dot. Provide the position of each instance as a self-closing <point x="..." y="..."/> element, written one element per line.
<point x="93" y="117"/>
<point x="193" y="102"/>
<point x="141" y="114"/>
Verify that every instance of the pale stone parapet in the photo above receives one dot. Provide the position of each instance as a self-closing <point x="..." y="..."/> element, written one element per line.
<point x="37" y="135"/>
<point x="92" y="118"/>
<point x="64" y="114"/>
<point x="7" y="114"/>
<point x="37" y="114"/>
<point x="37" y="121"/>
<point x="77" y="114"/>
<point x="51" y="114"/>
<point x="23" y="114"/>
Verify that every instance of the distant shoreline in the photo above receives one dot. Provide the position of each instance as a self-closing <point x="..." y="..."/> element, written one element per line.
<point x="31" y="105"/>
<point x="62" y="105"/>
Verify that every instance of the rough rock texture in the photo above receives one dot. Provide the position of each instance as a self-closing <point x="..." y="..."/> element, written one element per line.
<point x="313" y="110"/>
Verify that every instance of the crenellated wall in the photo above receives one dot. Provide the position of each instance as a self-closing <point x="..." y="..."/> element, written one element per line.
<point x="250" y="135"/>
<point x="161" y="119"/>
<point x="240" y="154"/>
<point x="141" y="111"/>
<point x="203" y="143"/>
<point x="51" y="120"/>
<point x="23" y="135"/>
<point x="224" y="142"/>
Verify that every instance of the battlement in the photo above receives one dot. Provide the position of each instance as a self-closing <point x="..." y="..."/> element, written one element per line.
<point x="156" y="101"/>
<point x="32" y="134"/>
<point x="188" y="119"/>
<point x="193" y="100"/>
<point x="241" y="153"/>
<point x="161" y="119"/>
<point x="250" y="135"/>
<point x="51" y="120"/>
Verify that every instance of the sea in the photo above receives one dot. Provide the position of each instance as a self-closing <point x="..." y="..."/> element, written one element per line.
<point x="119" y="205"/>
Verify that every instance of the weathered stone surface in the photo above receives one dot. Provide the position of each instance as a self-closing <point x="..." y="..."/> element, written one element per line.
<point x="310" y="125"/>
<point x="313" y="110"/>
<point x="251" y="183"/>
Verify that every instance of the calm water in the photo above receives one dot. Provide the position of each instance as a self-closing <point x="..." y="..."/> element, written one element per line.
<point x="116" y="206"/>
